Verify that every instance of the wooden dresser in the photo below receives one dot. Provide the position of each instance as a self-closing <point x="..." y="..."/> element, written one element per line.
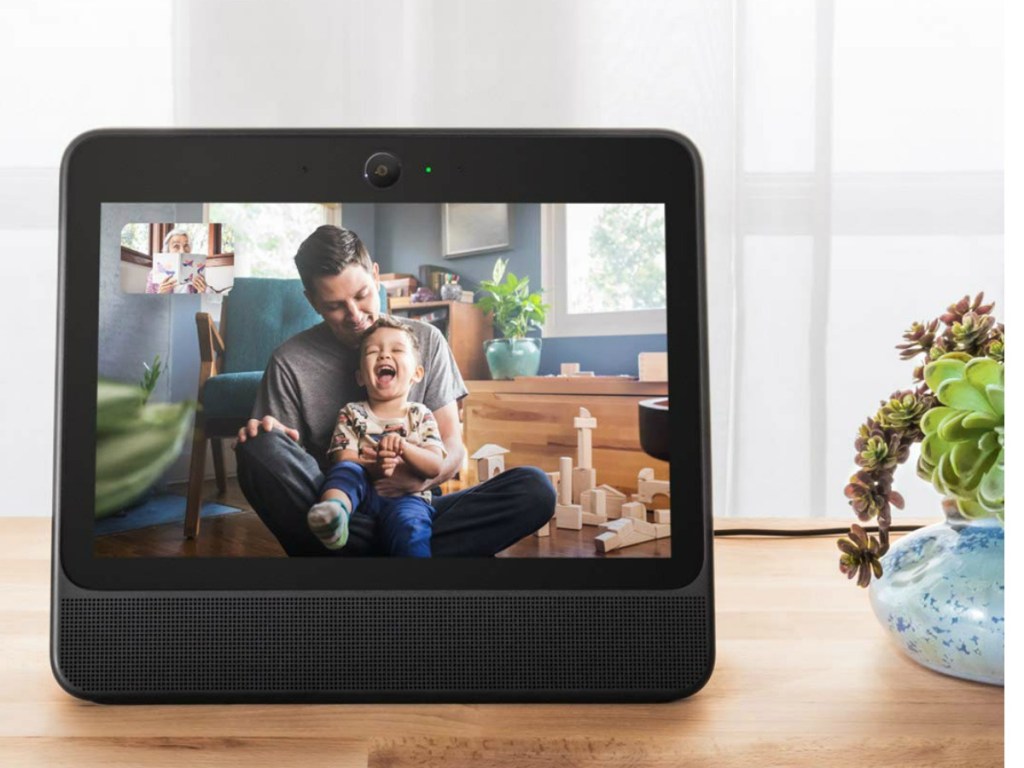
<point x="532" y="417"/>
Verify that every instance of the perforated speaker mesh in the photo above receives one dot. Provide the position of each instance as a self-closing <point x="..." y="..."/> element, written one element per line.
<point x="422" y="646"/>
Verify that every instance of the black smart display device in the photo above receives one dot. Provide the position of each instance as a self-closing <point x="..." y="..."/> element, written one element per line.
<point x="382" y="415"/>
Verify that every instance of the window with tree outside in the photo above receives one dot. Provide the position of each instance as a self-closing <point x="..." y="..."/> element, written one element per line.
<point x="265" y="236"/>
<point x="604" y="268"/>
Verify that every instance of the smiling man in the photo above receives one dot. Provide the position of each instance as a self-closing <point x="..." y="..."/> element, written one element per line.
<point x="283" y="450"/>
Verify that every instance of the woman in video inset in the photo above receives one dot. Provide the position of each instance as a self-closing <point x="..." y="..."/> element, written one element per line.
<point x="283" y="450"/>
<point x="176" y="241"/>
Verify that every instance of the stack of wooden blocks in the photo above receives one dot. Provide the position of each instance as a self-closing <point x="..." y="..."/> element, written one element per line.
<point x="582" y="502"/>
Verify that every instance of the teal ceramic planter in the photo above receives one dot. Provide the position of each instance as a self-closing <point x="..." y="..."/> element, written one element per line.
<point x="941" y="596"/>
<point x="508" y="358"/>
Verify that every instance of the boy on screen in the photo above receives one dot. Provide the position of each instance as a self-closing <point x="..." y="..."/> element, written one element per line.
<point x="392" y="429"/>
<point x="282" y="451"/>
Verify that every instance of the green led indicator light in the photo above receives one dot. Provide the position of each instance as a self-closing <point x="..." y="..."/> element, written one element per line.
<point x="428" y="169"/>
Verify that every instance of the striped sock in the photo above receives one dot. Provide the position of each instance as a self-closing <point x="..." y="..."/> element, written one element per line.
<point x="328" y="520"/>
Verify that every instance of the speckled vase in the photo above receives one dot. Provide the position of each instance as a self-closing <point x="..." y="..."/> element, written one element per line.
<point x="941" y="596"/>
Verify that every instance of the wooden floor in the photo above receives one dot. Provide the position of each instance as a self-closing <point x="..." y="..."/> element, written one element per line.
<point x="243" y="534"/>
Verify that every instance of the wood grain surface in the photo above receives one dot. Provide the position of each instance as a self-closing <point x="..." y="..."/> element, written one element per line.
<point x="804" y="677"/>
<point x="533" y="418"/>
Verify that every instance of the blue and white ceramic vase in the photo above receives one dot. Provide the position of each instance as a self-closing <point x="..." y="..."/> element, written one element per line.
<point x="941" y="596"/>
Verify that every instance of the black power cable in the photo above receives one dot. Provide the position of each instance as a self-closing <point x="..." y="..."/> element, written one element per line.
<point x="808" y="531"/>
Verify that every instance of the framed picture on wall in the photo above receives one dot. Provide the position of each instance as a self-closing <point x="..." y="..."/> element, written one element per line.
<point x="471" y="228"/>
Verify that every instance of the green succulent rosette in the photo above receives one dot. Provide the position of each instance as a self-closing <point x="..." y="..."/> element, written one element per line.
<point x="962" y="451"/>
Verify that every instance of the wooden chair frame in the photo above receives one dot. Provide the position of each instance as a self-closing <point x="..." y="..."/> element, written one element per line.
<point x="211" y="355"/>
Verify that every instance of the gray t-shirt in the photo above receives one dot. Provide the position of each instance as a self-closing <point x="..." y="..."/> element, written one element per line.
<point x="312" y="376"/>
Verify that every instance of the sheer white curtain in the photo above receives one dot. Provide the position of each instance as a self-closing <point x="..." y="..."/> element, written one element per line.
<point x="852" y="150"/>
<point x="67" y="67"/>
<point x="869" y="195"/>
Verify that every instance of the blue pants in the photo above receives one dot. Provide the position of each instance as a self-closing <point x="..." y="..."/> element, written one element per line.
<point x="281" y="482"/>
<point x="405" y="523"/>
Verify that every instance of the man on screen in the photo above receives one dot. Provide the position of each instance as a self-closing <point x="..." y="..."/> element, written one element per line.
<point x="282" y="451"/>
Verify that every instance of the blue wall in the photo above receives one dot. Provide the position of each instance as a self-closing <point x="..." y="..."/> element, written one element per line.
<point x="360" y="218"/>
<point x="605" y="355"/>
<point x="408" y="235"/>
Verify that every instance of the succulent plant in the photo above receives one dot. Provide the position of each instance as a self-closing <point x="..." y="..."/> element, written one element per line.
<point x="962" y="451"/>
<point x="861" y="556"/>
<point x="957" y="415"/>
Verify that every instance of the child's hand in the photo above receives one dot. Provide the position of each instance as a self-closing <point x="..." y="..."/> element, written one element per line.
<point x="389" y="449"/>
<point x="391" y="442"/>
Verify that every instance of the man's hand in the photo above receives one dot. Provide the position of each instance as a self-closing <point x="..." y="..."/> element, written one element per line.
<point x="401" y="482"/>
<point x="199" y="283"/>
<point x="167" y="285"/>
<point x="267" y="424"/>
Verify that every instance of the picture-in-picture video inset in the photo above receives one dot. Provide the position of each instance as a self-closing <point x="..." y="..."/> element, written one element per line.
<point x="177" y="258"/>
<point x="383" y="380"/>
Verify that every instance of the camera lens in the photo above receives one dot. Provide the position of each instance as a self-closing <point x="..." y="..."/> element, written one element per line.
<point x="382" y="169"/>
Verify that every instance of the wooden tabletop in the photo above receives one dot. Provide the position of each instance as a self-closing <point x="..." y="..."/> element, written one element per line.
<point x="805" y="676"/>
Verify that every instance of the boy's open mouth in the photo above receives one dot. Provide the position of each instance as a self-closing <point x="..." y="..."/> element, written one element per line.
<point x="385" y="373"/>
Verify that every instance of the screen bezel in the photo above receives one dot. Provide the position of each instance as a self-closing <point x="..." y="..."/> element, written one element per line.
<point x="299" y="166"/>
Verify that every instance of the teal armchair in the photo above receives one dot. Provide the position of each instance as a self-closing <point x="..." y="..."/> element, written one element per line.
<point x="256" y="317"/>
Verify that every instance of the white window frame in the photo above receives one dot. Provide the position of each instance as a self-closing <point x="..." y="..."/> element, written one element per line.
<point x="554" y="275"/>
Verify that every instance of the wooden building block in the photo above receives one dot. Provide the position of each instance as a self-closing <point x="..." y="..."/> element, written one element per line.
<point x="583" y="479"/>
<point x="587" y="499"/>
<point x="620" y="533"/>
<point x="490" y="466"/>
<point x="613" y="500"/>
<point x="565" y="486"/>
<point x="653" y="366"/>
<point x="569" y="516"/>
<point x="554" y="478"/>
<point x="584" y="449"/>
<point x="648" y="529"/>
<point x="570" y="368"/>
<point x="618" y="525"/>
<point x="544" y="530"/>
<point x="647" y="487"/>
<point x="634" y="509"/>
<point x="589" y="518"/>
<point x="663" y="516"/>
<point x="584" y="420"/>
<point x="594" y="500"/>
<point x="584" y="424"/>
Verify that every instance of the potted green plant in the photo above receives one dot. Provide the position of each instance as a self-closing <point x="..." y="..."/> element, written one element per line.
<point x="516" y="312"/>
<point x="940" y="589"/>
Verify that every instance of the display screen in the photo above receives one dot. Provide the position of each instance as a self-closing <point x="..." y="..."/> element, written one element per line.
<point x="382" y="380"/>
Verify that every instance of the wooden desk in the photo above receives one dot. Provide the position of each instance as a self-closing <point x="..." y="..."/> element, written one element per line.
<point x="805" y="677"/>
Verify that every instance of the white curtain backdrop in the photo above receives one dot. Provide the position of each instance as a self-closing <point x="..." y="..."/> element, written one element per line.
<point x="853" y="154"/>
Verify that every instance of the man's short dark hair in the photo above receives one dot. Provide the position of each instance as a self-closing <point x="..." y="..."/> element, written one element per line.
<point x="386" y="321"/>
<point x="329" y="251"/>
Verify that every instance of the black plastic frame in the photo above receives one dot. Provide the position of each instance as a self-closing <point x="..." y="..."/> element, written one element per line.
<point x="118" y="166"/>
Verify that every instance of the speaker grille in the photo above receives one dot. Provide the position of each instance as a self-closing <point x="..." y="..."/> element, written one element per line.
<point x="419" y="647"/>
